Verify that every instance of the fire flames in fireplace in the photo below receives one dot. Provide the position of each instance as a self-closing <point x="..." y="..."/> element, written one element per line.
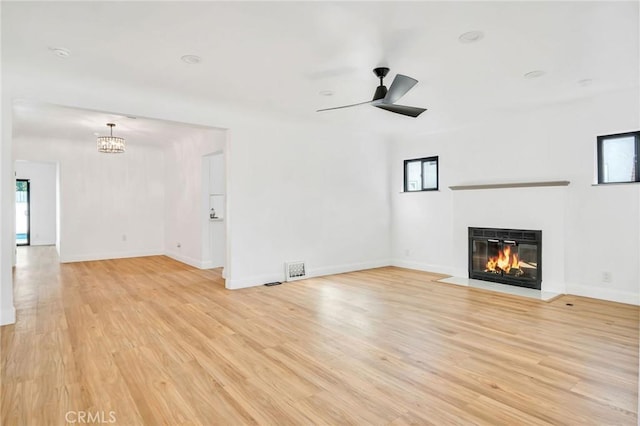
<point x="505" y="261"/>
<point x="507" y="256"/>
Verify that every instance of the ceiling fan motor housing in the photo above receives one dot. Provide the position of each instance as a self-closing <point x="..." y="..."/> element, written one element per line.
<point x="381" y="91"/>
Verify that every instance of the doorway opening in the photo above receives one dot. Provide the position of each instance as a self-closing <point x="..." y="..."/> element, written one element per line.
<point x="214" y="210"/>
<point x="23" y="212"/>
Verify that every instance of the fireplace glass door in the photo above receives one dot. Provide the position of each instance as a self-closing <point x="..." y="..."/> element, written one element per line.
<point x="505" y="259"/>
<point x="479" y="256"/>
<point x="528" y="254"/>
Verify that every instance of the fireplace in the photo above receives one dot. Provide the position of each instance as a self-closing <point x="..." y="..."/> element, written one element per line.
<point x="507" y="256"/>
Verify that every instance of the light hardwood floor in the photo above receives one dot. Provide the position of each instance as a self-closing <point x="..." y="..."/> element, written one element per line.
<point x="157" y="342"/>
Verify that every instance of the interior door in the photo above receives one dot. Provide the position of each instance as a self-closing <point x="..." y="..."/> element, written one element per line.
<point x="23" y="213"/>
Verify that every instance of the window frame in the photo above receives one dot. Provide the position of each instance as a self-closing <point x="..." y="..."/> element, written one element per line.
<point x="600" y="141"/>
<point x="422" y="161"/>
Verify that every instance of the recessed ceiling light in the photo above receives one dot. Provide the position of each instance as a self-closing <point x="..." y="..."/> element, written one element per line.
<point x="60" y="52"/>
<point x="326" y="92"/>
<point x="585" y="82"/>
<point x="534" y="74"/>
<point x="191" y="59"/>
<point x="471" y="37"/>
<point x="96" y="134"/>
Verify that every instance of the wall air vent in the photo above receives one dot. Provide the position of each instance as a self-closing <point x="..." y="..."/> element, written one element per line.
<point x="294" y="271"/>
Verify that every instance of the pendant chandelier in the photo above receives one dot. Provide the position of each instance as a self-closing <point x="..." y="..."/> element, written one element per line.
<point x="110" y="144"/>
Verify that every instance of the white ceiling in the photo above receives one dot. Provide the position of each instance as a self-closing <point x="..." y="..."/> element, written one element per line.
<point x="46" y="122"/>
<point x="280" y="55"/>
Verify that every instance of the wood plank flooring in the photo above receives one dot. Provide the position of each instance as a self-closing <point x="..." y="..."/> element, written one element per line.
<point x="153" y="341"/>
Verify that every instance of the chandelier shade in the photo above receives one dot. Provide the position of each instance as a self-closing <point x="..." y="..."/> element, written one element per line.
<point x="111" y="144"/>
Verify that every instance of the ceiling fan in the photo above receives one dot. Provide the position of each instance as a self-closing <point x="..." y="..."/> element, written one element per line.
<point x="386" y="99"/>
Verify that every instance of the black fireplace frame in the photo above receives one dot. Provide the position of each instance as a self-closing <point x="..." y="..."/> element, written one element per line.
<point x="511" y="235"/>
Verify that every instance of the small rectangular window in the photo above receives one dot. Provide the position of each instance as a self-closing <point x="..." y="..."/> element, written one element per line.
<point x="421" y="174"/>
<point x="618" y="158"/>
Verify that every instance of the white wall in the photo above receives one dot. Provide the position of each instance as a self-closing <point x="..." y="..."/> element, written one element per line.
<point x="306" y="192"/>
<point x="295" y="190"/>
<point x="186" y="221"/>
<point x="111" y="205"/>
<point x="42" y="189"/>
<point x="587" y="229"/>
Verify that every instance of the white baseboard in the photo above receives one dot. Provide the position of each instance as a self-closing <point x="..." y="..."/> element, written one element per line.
<point x="349" y="267"/>
<point x="419" y="266"/>
<point x="612" y="295"/>
<point x="256" y="280"/>
<point x="191" y="261"/>
<point x="7" y="315"/>
<point x="554" y="287"/>
<point x="107" y="256"/>
<point x="196" y="263"/>
<point x="210" y="265"/>
<point x="43" y="243"/>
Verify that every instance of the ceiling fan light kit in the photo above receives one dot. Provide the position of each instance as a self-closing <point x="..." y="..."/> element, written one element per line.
<point x="385" y="99"/>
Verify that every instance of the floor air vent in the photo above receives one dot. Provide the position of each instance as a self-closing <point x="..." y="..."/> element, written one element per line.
<point x="294" y="271"/>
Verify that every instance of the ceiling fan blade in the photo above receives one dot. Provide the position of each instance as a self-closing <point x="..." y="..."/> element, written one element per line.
<point x="344" y="106"/>
<point x="400" y="86"/>
<point x="402" y="109"/>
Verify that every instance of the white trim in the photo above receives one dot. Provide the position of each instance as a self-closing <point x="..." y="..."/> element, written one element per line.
<point x="109" y="256"/>
<point x="350" y="267"/>
<point x="257" y="280"/>
<point x="554" y="287"/>
<point x="7" y="315"/>
<point x="612" y="295"/>
<point x="254" y="281"/>
<point x="425" y="267"/>
<point x="196" y="263"/>
<point x="210" y="264"/>
<point x="43" y="243"/>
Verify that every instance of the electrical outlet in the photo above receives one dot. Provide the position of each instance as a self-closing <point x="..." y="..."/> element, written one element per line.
<point x="606" y="277"/>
